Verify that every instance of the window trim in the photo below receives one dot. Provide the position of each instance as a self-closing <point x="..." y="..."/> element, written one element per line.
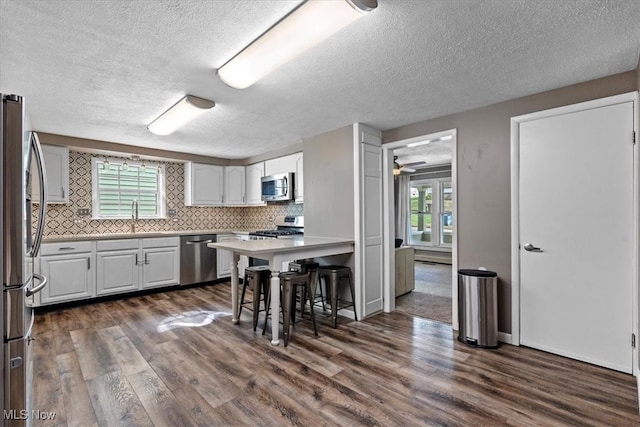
<point x="162" y="190"/>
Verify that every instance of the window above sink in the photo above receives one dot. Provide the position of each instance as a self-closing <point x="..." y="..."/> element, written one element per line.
<point x="116" y="184"/>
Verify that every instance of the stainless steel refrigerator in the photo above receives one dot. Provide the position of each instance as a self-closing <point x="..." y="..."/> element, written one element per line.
<point x="20" y="244"/>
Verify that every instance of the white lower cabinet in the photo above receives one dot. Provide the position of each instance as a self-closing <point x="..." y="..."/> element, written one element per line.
<point x="80" y="270"/>
<point x="69" y="270"/>
<point x="133" y="264"/>
<point x="224" y="258"/>
<point x="161" y="265"/>
<point x="117" y="266"/>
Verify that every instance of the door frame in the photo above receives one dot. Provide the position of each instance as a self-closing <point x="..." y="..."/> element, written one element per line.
<point x="515" y="205"/>
<point x="389" y="226"/>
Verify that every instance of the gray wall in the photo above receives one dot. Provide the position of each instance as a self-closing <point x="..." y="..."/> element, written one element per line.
<point x="483" y="165"/>
<point x="328" y="169"/>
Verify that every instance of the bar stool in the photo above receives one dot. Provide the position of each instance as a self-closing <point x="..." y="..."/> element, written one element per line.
<point x="337" y="273"/>
<point x="289" y="281"/>
<point x="258" y="279"/>
<point x="311" y="267"/>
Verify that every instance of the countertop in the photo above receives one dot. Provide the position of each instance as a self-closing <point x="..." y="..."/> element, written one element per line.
<point x="139" y="235"/>
<point x="262" y="247"/>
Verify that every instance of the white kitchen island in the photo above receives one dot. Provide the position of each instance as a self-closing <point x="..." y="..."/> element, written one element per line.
<point x="277" y="251"/>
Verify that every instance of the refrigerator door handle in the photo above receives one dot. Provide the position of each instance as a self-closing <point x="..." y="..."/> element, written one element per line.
<point x="43" y="282"/>
<point x="37" y="149"/>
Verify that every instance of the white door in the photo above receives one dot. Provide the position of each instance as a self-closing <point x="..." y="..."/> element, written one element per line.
<point x="371" y="203"/>
<point x="576" y="205"/>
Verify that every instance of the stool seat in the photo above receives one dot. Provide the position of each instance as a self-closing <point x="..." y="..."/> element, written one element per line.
<point x="258" y="279"/>
<point x="337" y="273"/>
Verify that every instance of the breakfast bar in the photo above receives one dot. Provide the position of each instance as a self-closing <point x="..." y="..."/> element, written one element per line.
<point x="277" y="251"/>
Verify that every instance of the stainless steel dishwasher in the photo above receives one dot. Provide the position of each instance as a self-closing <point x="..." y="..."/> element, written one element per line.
<point x="197" y="261"/>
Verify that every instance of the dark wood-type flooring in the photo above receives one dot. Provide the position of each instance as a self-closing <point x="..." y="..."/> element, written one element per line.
<point x="175" y="359"/>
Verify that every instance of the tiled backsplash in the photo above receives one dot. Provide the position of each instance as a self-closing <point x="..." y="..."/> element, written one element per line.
<point x="62" y="219"/>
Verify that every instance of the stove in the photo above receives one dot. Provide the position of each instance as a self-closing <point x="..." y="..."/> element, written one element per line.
<point x="287" y="227"/>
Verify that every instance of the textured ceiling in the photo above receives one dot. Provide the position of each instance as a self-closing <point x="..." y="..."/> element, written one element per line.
<point x="105" y="69"/>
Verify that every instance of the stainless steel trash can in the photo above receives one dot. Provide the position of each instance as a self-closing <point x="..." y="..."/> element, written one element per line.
<point x="478" y="308"/>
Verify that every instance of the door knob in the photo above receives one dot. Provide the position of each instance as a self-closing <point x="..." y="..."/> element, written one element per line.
<point x="530" y="248"/>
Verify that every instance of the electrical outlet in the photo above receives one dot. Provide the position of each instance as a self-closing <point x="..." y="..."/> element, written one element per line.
<point x="84" y="212"/>
<point x="171" y="212"/>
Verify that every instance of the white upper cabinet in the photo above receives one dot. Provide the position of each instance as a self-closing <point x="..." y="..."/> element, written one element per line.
<point x="291" y="163"/>
<point x="280" y="165"/>
<point x="56" y="163"/>
<point x="234" y="185"/>
<point x="204" y="184"/>
<point x="254" y="174"/>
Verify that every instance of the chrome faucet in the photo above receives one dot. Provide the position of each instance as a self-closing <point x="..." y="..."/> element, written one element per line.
<point x="134" y="215"/>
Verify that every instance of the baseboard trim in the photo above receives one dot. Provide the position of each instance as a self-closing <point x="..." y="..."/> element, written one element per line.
<point x="504" y="337"/>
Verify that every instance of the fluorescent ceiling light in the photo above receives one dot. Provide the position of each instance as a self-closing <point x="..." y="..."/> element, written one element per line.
<point x="428" y="141"/>
<point x="305" y="27"/>
<point x="417" y="144"/>
<point x="185" y="110"/>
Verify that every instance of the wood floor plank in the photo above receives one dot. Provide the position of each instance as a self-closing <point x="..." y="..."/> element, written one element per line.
<point x="200" y="374"/>
<point x="47" y="389"/>
<point x="77" y="403"/>
<point x="93" y="352"/>
<point x="125" y="353"/>
<point x="202" y="413"/>
<point x="390" y="369"/>
<point x="115" y="402"/>
<point x="161" y="405"/>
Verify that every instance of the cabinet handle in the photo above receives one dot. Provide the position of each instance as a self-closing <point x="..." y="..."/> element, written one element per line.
<point x="137" y="260"/>
<point x="146" y="261"/>
<point x="62" y="189"/>
<point x="88" y="263"/>
<point x="66" y="248"/>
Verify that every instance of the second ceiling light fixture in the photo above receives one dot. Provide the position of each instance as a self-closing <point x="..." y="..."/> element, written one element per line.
<point x="306" y="26"/>
<point x="303" y="28"/>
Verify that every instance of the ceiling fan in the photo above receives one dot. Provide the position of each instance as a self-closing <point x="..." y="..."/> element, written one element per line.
<point x="401" y="169"/>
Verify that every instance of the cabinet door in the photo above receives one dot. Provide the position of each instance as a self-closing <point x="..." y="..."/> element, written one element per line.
<point x="56" y="162"/>
<point x="118" y="271"/>
<point x="161" y="267"/>
<point x="283" y="164"/>
<point x="70" y="278"/>
<point x="204" y="184"/>
<point x="234" y="185"/>
<point x="223" y="257"/>
<point x="254" y="174"/>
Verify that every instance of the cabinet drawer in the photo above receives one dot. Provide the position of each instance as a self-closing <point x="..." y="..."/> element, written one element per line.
<point x="62" y="248"/>
<point x="160" y="242"/>
<point x="115" y="245"/>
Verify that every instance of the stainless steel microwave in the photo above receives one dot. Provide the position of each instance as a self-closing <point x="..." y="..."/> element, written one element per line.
<point x="277" y="187"/>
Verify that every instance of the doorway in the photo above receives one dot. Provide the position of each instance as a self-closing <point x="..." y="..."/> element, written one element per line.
<point x="420" y="173"/>
<point x="575" y="231"/>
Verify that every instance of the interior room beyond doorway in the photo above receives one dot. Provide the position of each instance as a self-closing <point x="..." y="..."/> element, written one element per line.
<point x="423" y="194"/>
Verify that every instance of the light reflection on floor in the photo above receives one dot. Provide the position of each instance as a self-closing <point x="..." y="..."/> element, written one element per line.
<point x="191" y="319"/>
